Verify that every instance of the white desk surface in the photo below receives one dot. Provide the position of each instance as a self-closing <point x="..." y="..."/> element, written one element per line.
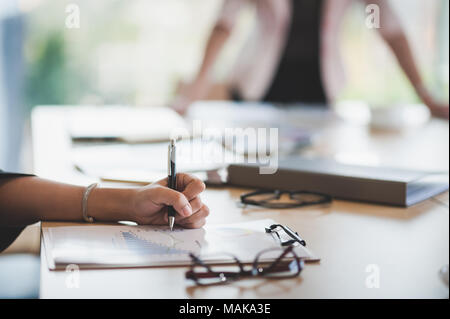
<point x="407" y="246"/>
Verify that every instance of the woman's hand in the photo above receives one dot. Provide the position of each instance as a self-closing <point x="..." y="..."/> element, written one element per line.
<point x="149" y="204"/>
<point x="439" y="110"/>
<point x="188" y="93"/>
<point x="181" y="103"/>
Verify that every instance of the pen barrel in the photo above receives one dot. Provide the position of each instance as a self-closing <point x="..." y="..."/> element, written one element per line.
<point x="171" y="211"/>
<point x="171" y="159"/>
<point x="172" y="182"/>
<point x="172" y="178"/>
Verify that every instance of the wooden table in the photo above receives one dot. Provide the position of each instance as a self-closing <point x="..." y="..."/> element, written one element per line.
<point x="405" y="248"/>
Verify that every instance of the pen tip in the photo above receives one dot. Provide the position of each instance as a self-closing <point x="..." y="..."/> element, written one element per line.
<point x="171" y="222"/>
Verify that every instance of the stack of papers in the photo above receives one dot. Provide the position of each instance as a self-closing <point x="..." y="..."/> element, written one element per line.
<point x="128" y="124"/>
<point x="146" y="163"/>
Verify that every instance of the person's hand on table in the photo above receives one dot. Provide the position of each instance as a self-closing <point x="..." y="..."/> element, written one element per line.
<point x="440" y="110"/>
<point x="187" y="94"/>
<point x="437" y="108"/>
<point x="181" y="104"/>
<point x="149" y="204"/>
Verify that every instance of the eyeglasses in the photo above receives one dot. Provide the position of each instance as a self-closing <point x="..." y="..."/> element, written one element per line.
<point x="294" y="236"/>
<point x="286" y="265"/>
<point x="275" y="199"/>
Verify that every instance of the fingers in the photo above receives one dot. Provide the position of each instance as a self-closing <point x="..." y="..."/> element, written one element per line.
<point x="186" y="200"/>
<point x="196" y="204"/>
<point x="439" y="110"/>
<point x="190" y="186"/>
<point x="170" y="197"/>
<point x="196" y="220"/>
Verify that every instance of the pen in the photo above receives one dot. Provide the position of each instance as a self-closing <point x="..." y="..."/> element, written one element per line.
<point x="172" y="179"/>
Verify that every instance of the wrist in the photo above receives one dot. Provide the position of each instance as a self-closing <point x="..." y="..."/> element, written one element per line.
<point x="199" y="87"/>
<point x="110" y="204"/>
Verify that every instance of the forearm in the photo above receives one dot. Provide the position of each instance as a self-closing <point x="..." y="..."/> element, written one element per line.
<point x="24" y="201"/>
<point x="402" y="50"/>
<point x="216" y="42"/>
<point x="394" y="35"/>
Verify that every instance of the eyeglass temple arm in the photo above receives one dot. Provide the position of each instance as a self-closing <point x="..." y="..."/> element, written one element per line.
<point x="276" y="264"/>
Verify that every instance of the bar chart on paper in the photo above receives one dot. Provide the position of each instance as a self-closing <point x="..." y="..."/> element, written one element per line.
<point x="144" y="246"/>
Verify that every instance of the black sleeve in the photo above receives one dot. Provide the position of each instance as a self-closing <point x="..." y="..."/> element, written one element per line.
<point x="8" y="235"/>
<point x="11" y="175"/>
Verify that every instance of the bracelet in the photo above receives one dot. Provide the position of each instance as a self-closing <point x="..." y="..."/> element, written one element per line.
<point x="86" y="194"/>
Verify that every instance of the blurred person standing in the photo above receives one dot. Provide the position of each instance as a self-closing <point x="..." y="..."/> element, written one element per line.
<point x="293" y="54"/>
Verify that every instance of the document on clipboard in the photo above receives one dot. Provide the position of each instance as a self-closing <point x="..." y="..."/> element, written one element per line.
<point x="121" y="246"/>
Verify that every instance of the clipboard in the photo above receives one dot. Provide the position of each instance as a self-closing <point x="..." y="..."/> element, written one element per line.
<point x="120" y="246"/>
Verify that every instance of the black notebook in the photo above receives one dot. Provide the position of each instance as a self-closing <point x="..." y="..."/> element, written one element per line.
<point x="390" y="186"/>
